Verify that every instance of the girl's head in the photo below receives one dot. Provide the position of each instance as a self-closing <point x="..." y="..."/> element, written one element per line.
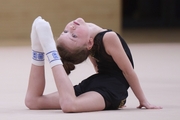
<point x="74" y="43"/>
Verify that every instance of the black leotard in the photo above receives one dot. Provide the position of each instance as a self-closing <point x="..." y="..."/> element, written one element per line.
<point x="109" y="81"/>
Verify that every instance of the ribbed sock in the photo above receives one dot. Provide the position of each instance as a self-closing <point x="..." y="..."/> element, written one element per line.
<point x="37" y="50"/>
<point x="48" y="44"/>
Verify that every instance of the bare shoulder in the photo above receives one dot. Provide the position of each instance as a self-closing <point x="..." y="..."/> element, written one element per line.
<point x="111" y="41"/>
<point x="110" y="35"/>
<point x="114" y="48"/>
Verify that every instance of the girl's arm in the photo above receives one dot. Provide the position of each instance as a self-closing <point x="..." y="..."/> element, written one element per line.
<point x="114" y="48"/>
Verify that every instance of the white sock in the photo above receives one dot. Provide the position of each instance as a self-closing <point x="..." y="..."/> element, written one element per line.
<point x="46" y="38"/>
<point x="37" y="51"/>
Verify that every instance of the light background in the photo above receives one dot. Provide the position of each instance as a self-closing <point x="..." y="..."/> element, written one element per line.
<point x="156" y="59"/>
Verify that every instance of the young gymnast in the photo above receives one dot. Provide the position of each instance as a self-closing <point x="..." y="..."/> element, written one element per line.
<point x="108" y="52"/>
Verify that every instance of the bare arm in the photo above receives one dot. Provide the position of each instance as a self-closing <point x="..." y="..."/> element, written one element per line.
<point x="115" y="49"/>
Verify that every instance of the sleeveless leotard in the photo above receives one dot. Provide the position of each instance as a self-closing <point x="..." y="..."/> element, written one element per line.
<point x="109" y="81"/>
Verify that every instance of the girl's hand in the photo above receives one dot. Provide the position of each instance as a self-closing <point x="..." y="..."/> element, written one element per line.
<point x="147" y="105"/>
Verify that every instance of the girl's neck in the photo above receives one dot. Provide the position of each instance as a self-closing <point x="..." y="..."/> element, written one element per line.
<point x="94" y="29"/>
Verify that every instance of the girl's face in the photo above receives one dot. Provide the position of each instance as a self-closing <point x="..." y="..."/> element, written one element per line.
<point x="75" y="35"/>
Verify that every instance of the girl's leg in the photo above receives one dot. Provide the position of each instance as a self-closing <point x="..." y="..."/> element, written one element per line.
<point x="34" y="96"/>
<point x="91" y="101"/>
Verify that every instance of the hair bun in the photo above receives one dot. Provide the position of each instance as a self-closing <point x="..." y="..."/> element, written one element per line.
<point x="68" y="66"/>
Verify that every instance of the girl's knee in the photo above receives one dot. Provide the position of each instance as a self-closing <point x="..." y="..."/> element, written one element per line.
<point x="68" y="106"/>
<point x="31" y="103"/>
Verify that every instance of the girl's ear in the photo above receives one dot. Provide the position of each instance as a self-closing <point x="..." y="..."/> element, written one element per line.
<point x="90" y="43"/>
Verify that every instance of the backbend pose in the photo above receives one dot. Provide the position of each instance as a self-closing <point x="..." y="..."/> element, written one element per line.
<point x="108" y="52"/>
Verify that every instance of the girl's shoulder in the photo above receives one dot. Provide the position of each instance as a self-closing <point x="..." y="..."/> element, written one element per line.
<point x="111" y="41"/>
<point x="103" y="32"/>
<point x="110" y="35"/>
<point x="106" y="33"/>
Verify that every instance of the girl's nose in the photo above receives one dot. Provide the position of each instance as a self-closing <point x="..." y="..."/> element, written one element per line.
<point x="73" y="27"/>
